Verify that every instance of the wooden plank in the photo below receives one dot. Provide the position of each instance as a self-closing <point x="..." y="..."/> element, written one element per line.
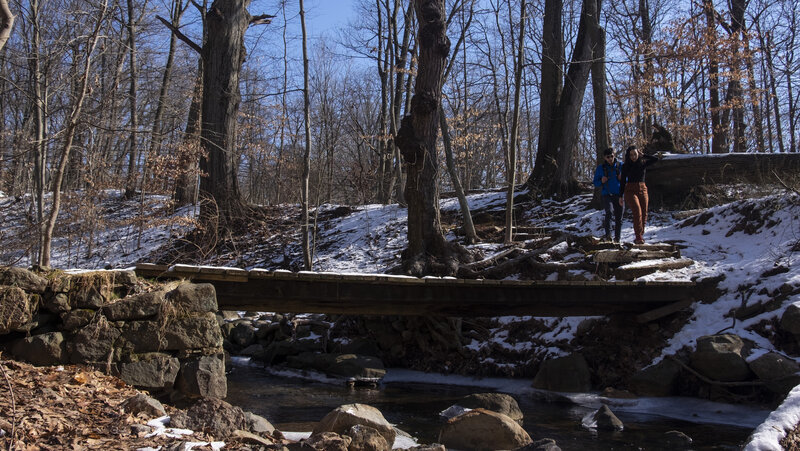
<point x="630" y="272"/>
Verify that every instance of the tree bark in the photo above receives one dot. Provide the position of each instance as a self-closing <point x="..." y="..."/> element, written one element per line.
<point x="602" y="135"/>
<point x="6" y="23"/>
<point x="719" y="133"/>
<point x="427" y="250"/>
<point x="133" y="89"/>
<point x="224" y="54"/>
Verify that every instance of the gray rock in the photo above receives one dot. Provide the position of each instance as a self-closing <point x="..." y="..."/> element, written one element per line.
<point x="136" y="307"/>
<point x="344" y="365"/>
<point x="75" y="319"/>
<point x="483" y="430"/>
<point x="278" y="351"/>
<point x="17" y="309"/>
<point x="203" y="377"/>
<point x="660" y="379"/>
<point x="214" y="416"/>
<point x="57" y="303"/>
<point x="721" y="358"/>
<point x="790" y="320"/>
<point x="366" y="438"/>
<point x="42" y="349"/>
<point x="243" y="334"/>
<point x="565" y="374"/>
<point x="246" y="437"/>
<point x="93" y="343"/>
<point x="779" y="373"/>
<point x="144" y="336"/>
<point x="496" y="402"/>
<point x="545" y="444"/>
<point x="343" y="417"/>
<point x="23" y="279"/>
<point x="143" y="404"/>
<point x="193" y="333"/>
<point x="677" y="440"/>
<point x="153" y="372"/>
<point x="258" y="424"/>
<point x="194" y="297"/>
<point x="328" y="441"/>
<point x="605" y="420"/>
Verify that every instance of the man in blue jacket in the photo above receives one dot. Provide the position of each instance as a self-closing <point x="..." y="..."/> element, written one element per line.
<point x="608" y="176"/>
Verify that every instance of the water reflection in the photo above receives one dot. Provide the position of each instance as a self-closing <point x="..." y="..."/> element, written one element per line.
<point x="295" y="405"/>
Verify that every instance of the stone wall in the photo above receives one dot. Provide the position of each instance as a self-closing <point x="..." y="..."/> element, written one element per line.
<point x="164" y="339"/>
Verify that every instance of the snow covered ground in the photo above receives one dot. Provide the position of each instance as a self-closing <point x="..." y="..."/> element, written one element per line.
<point x="754" y="243"/>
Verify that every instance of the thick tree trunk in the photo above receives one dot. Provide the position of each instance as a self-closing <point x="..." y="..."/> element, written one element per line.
<point x="552" y="59"/>
<point x="427" y="250"/>
<point x="224" y="54"/>
<point x="719" y="132"/>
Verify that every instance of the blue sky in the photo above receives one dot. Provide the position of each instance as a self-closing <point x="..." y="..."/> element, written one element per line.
<point x="326" y="15"/>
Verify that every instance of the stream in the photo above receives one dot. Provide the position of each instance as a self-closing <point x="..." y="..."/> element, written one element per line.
<point x="412" y="401"/>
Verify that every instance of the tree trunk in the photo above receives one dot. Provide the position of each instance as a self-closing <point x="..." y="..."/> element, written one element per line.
<point x="6" y="23"/>
<point x="133" y="89"/>
<point x="69" y="134"/>
<point x="427" y="250"/>
<point x="511" y="170"/>
<point x="601" y="130"/>
<point x="469" y="226"/>
<point x="304" y="227"/>
<point x="551" y="85"/>
<point x="40" y="125"/>
<point x="719" y="133"/>
<point x="186" y="185"/>
<point x="224" y="54"/>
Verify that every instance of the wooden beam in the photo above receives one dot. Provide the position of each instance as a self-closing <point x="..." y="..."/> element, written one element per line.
<point x="283" y="291"/>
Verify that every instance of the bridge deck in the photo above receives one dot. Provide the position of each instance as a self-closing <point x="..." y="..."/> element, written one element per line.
<point x="309" y="292"/>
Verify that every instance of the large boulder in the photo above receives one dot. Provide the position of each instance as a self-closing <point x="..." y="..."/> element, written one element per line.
<point x="203" y="377"/>
<point x="326" y="441"/>
<point x="16" y="309"/>
<point x="779" y="373"/>
<point x="660" y="379"/>
<point x="496" y="402"/>
<point x="341" y="419"/>
<point x="564" y="374"/>
<point x="136" y="307"/>
<point x="145" y="405"/>
<point x="213" y="416"/>
<point x="605" y="420"/>
<point x="178" y="334"/>
<point x="483" y="430"/>
<point x="150" y="371"/>
<point x="242" y="334"/>
<point x="23" y="279"/>
<point x="193" y="297"/>
<point x="42" y="349"/>
<point x="721" y="358"/>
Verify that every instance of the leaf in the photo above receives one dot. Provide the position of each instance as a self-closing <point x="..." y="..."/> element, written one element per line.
<point x="81" y="378"/>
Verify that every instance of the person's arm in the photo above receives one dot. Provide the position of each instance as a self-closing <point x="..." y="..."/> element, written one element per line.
<point x="598" y="176"/>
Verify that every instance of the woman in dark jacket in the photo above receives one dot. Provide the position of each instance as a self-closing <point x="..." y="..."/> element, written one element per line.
<point x="634" y="189"/>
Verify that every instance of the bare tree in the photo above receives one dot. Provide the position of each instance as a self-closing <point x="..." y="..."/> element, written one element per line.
<point x="304" y="227"/>
<point x="6" y="23"/>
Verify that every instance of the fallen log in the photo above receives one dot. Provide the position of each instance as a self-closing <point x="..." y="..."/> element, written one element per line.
<point x="672" y="178"/>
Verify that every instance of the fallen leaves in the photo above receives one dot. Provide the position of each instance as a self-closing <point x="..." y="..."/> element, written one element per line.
<point x="66" y="407"/>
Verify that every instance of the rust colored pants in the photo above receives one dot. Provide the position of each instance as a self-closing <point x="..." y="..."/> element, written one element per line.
<point x="636" y="198"/>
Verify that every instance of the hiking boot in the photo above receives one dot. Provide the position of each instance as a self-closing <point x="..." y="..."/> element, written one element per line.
<point x="606" y="239"/>
<point x="638" y="241"/>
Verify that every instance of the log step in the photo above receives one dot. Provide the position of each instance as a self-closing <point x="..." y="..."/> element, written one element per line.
<point x="635" y="270"/>
<point x="634" y="255"/>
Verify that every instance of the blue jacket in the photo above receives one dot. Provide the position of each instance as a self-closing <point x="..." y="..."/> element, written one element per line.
<point x="611" y="187"/>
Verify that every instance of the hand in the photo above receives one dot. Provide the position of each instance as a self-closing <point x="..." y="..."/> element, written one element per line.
<point x="604" y="179"/>
<point x="621" y="202"/>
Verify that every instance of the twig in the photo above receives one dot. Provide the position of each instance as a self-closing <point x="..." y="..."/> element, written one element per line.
<point x="784" y="185"/>
<point x="13" y="407"/>
<point x="713" y="382"/>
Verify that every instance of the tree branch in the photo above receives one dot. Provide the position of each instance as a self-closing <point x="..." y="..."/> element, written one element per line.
<point x="262" y="19"/>
<point x="181" y="36"/>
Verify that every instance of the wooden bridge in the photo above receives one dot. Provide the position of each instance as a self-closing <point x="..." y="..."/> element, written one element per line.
<point x="310" y="292"/>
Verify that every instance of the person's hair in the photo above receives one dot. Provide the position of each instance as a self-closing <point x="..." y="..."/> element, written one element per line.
<point x="628" y="153"/>
<point x="609" y="151"/>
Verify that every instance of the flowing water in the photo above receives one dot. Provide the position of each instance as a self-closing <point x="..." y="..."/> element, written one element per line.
<point x="295" y="405"/>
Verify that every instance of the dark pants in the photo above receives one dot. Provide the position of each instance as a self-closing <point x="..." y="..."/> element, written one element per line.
<point x="612" y="200"/>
